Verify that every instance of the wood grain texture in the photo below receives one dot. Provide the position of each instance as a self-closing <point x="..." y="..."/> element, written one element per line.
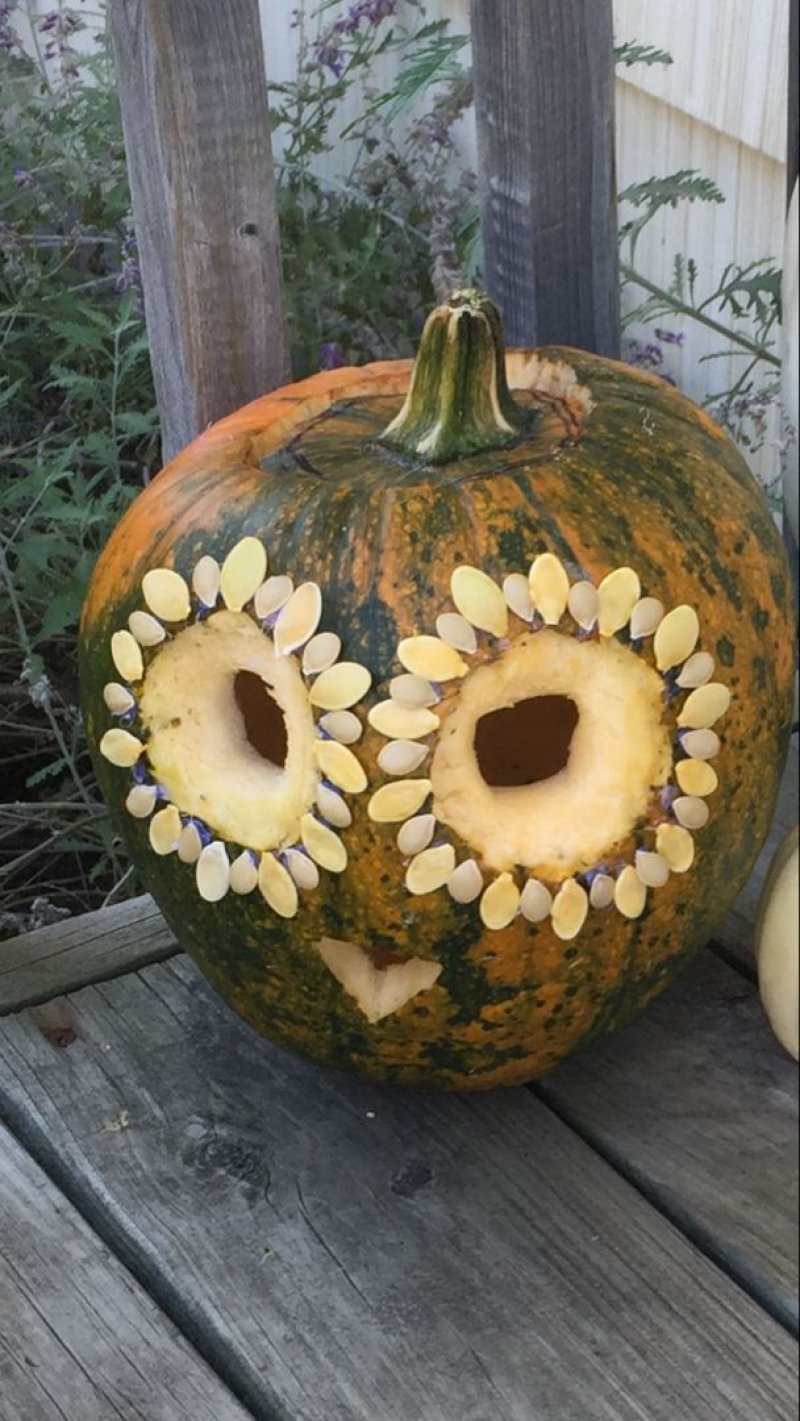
<point x="363" y="1254"/>
<point x="79" y="1340"/>
<point x="544" y="107"/>
<point x="193" y="93"/>
<point x="63" y="956"/>
<point x="698" y="1103"/>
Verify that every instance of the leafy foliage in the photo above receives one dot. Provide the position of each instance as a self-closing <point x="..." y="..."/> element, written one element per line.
<point x="400" y="228"/>
<point x="633" y="53"/>
<point x="742" y="307"/>
<point x="78" y="431"/>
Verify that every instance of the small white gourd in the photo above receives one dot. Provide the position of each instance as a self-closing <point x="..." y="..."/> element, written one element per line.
<point x="778" y="943"/>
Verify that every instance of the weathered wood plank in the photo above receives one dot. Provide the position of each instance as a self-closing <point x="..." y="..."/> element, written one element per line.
<point x="543" y="72"/>
<point x="737" y="931"/>
<point x="698" y="1103"/>
<point x="193" y="92"/>
<point x="64" y="956"/>
<point x="364" y="1254"/>
<point x="78" y="1337"/>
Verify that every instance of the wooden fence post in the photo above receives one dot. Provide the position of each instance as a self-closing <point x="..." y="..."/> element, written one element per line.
<point x="544" y="101"/>
<point x="193" y="92"/>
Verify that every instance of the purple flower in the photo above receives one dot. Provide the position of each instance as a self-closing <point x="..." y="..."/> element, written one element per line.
<point x="645" y="355"/>
<point x="9" y="39"/>
<point x="22" y="177"/>
<point x="373" y="11"/>
<point x="668" y="337"/>
<point x="330" y="56"/>
<point x="331" y="355"/>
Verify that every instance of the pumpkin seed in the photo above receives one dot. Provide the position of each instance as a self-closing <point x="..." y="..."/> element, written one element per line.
<point x="479" y="600"/>
<point x="499" y="903"/>
<point x="325" y="847"/>
<point x="340" y="686"/>
<point x="430" y="657"/>
<point x="465" y="883"/>
<point x="277" y="886"/>
<point x="165" y="830"/>
<point x="536" y="901"/>
<point x="398" y="722"/>
<point x="213" y="872"/>
<point x="272" y="595"/>
<point x="698" y="670"/>
<point x="705" y="705"/>
<point x="242" y="572"/>
<point x="398" y="800"/>
<point x="700" y="744"/>
<point x="342" y="726"/>
<point x="121" y="748"/>
<point x="166" y="594"/>
<point x="645" y="617"/>
<point x="690" y="812"/>
<point x="340" y="766"/>
<point x="333" y="808"/>
<point x="321" y="652"/>
<point x="205" y="580"/>
<point x="630" y="894"/>
<point x="430" y="869"/>
<point x="147" y="629"/>
<point x="303" y="869"/>
<point x="118" y="698"/>
<point x="190" y="845"/>
<point x="570" y="907"/>
<point x="244" y="874"/>
<point x="402" y="757"/>
<point x="126" y="655"/>
<point x="517" y="593"/>
<point x="583" y="603"/>
<point x="457" y="632"/>
<point x="141" y="801"/>
<point x="297" y="622"/>
<point x="549" y="586"/>
<point x="676" y="845"/>
<point x="617" y="595"/>
<point x="416" y="834"/>
<point x="696" y="777"/>
<point x="412" y="691"/>
<point x="601" y="893"/>
<point x="676" y="637"/>
<point x="651" y="868"/>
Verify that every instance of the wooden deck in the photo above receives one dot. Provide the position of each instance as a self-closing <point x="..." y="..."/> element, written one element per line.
<point x="194" y="1224"/>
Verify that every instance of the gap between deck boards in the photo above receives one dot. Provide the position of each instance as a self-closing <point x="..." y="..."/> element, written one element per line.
<point x="197" y="1331"/>
<point x="696" y="1233"/>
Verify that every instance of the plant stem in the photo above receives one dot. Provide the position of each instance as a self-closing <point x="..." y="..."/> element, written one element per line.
<point x="673" y="304"/>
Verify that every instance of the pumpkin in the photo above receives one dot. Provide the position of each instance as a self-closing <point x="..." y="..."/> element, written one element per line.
<point x="777" y="947"/>
<point x="443" y="709"/>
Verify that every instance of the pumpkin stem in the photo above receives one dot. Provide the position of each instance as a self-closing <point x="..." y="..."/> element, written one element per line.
<point x="458" y="401"/>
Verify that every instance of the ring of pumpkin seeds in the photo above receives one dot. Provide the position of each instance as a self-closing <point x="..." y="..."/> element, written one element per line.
<point x="483" y="618"/>
<point x="290" y="616"/>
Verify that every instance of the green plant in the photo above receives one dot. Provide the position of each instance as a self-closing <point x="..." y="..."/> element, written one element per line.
<point x="742" y="305"/>
<point x="78" y="432"/>
<point x="400" y="226"/>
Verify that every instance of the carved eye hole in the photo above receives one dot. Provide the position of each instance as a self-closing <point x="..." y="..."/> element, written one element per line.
<point x="527" y="742"/>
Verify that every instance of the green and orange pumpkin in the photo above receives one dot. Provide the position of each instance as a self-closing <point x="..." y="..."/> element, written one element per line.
<point x="443" y="710"/>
